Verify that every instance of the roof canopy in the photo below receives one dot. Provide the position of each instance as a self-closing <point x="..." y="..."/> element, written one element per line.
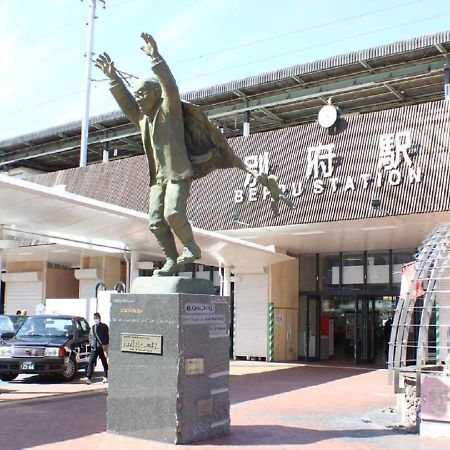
<point x="62" y="226"/>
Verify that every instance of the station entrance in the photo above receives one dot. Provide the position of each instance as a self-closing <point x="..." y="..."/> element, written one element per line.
<point x="345" y="302"/>
<point x="347" y="328"/>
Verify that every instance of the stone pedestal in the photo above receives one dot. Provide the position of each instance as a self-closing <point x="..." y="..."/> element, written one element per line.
<point x="169" y="366"/>
<point x="435" y="406"/>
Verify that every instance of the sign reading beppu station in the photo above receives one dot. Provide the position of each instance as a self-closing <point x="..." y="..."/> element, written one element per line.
<point x="395" y="150"/>
<point x="141" y="343"/>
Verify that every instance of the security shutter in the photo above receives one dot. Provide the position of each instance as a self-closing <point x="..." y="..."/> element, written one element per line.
<point x="22" y="295"/>
<point x="251" y="303"/>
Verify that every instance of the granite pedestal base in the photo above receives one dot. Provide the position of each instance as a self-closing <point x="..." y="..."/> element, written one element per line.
<point x="169" y="367"/>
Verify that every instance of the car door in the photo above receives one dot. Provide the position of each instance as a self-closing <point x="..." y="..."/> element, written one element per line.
<point x="82" y="341"/>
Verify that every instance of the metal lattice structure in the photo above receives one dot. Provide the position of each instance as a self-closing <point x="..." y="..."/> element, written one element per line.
<point x="420" y="338"/>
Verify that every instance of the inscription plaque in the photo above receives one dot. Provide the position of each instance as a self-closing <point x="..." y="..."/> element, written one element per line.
<point x="217" y="331"/>
<point x="141" y="343"/>
<point x="202" y="319"/>
<point x="199" y="308"/>
<point x="194" y="366"/>
<point x="205" y="407"/>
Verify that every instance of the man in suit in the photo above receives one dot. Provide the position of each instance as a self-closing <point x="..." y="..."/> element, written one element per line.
<point x="98" y="339"/>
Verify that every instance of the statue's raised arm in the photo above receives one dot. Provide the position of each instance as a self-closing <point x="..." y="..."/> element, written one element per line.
<point x="106" y="65"/>
<point x="122" y="95"/>
<point x="150" y="48"/>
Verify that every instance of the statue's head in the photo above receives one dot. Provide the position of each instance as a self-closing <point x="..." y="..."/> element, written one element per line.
<point x="146" y="92"/>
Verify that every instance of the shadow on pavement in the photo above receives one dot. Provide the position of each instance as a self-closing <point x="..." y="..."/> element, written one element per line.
<point x="270" y="435"/>
<point x="41" y="379"/>
<point x="47" y="422"/>
<point x="265" y="384"/>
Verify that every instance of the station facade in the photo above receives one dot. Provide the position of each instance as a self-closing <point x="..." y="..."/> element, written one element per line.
<point x="366" y="192"/>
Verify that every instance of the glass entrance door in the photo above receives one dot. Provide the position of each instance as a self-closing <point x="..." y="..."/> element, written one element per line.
<point x="339" y="312"/>
<point x="313" y="328"/>
<point x="365" y="326"/>
<point x="357" y="327"/>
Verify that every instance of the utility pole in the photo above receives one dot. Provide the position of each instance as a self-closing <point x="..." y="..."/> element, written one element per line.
<point x="87" y="80"/>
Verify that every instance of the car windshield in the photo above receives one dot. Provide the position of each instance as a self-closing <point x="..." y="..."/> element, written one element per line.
<point x="6" y="324"/>
<point x="17" y="321"/>
<point x="46" y="327"/>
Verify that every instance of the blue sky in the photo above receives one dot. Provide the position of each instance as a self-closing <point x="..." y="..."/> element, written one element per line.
<point x="206" y="42"/>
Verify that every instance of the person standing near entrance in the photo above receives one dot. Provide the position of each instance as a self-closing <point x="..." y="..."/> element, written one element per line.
<point x="387" y="336"/>
<point x="98" y="339"/>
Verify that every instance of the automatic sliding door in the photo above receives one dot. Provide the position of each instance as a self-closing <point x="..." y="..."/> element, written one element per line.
<point x="365" y="330"/>
<point x="313" y="329"/>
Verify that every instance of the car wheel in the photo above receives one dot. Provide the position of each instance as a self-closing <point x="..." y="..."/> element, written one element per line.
<point x="8" y="376"/>
<point x="71" y="370"/>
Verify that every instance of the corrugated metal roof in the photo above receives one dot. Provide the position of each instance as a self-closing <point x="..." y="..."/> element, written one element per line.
<point x="408" y="45"/>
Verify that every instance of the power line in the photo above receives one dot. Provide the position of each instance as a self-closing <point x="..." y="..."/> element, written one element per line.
<point x="323" y="44"/>
<point x="42" y="36"/>
<point x="118" y="4"/>
<point x="41" y="104"/>
<point x="56" y="99"/>
<point x="54" y="116"/>
<point x="300" y="30"/>
<point x="53" y="30"/>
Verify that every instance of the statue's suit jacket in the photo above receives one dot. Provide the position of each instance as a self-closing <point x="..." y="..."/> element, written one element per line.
<point x="163" y="138"/>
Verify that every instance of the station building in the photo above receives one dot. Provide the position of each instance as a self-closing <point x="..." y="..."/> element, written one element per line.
<point x="361" y="145"/>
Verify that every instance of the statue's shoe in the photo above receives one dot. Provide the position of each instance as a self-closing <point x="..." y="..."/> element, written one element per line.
<point x="170" y="268"/>
<point x="191" y="252"/>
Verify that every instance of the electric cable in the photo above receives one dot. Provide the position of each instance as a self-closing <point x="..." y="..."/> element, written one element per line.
<point x="300" y="30"/>
<point x="42" y="36"/>
<point x="323" y="44"/>
<point x="126" y="75"/>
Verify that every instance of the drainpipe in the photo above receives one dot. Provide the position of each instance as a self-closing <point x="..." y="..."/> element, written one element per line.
<point x="134" y="269"/>
<point x="226" y="281"/>
<point x="97" y="287"/>
<point x="447" y="84"/>
<point x="127" y="276"/>
<point x="221" y="281"/>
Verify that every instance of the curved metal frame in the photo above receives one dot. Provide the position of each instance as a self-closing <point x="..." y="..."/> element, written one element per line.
<point x="432" y="260"/>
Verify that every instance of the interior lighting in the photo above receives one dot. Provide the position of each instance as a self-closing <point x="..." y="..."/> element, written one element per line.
<point x="385" y="227"/>
<point x="308" y="233"/>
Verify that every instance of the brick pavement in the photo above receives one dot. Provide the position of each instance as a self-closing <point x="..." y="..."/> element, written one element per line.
<point x="273" y="406"/>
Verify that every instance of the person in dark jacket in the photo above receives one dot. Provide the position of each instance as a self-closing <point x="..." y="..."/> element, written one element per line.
<point x="387" y="336"/>
<point x="98" y="339"/>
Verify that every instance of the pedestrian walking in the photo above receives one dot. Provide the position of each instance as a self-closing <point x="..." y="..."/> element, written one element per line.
<point x="98" y="340"/>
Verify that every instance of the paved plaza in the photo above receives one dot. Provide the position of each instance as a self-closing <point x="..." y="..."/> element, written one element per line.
<point x="280" y="406"/>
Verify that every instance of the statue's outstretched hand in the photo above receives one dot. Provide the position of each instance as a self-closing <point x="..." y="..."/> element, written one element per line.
<point x="105" y="63"/>
<point x="271" y="183"/>
<point x="150" y="48"/>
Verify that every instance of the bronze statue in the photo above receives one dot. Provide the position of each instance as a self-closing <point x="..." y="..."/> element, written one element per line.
<point x="181" y="145"/>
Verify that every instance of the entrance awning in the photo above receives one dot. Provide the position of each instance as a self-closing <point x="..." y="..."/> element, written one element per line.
<point x="54" y="217"/>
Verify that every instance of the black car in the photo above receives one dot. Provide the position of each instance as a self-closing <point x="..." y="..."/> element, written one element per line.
<point x="45" y="345"/>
